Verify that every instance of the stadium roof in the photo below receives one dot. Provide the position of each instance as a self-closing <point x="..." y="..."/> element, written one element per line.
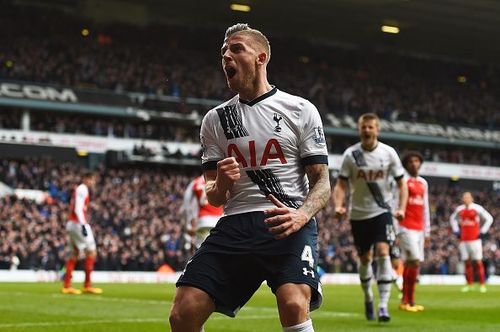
<point x="463" y="29"/>
<point x="459" y="29"/>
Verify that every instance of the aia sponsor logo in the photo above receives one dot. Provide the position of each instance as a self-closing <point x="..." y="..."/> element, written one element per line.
<point x="272" y="150"/>
<point x="371" y="175"/>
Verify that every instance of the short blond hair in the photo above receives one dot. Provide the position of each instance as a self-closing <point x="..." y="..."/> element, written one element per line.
<point x="369" y="117"/>
<point x="256" y="35"/>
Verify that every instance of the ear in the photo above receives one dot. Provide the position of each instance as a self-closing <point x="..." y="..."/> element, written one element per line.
<point x="262" y="58"/>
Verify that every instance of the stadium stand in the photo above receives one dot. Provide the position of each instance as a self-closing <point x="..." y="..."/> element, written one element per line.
<point x="137" y="224"/>
<point x="140" y="228"/>
<point x="175" y="62"/>
<point x="106" y="126"/>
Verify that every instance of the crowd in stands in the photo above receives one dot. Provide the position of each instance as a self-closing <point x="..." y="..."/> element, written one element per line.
<point x="188" y="132"/>
<point x="10" y="119"/>
<point x="135" y="217"/>
<point x="177" y="61"/>
<point x="112" y="127"/>
<point x="87" y="124"/>
<point x="133" y="212"/>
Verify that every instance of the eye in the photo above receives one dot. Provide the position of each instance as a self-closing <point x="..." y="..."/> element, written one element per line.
<point x="235" y="48"/>
<point x="223" y="50"/>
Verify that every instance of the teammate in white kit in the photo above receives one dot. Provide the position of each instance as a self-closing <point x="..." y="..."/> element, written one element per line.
<point x="466" y="224"/>
<point x="367" y="171"/>
<point x="200" y="215"/>
<point x="265" y="159"/>
<point x="80" y="237"/>
<point x="414" y="229"/>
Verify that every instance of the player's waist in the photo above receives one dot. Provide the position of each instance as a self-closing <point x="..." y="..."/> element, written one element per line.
<point x="367" y="213"/>
<point x="469" y="236"/>
<point x="73" y="219"/>
<point x="210" y="213"/>
<point x="412" y="224"/>
<point x="255" y="200"/>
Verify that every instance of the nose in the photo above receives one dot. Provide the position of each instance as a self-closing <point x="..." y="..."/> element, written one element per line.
<point x="226" y="58"/>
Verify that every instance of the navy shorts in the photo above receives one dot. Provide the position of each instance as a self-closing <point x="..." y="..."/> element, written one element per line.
<point x="367" y="232"/>
<point x="240" y="253"/>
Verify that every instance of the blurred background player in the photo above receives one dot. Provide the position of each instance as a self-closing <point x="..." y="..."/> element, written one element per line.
<point x="466" y="224"/>
<point x="368" y="168"/>
<point x="200" y="216"/>
<point x="414" y="229"/>
<point x="81" y="237"/>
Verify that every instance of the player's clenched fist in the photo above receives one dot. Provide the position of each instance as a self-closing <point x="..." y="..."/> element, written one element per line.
<point x="399" y="214"/>
<point x="228" y="172"/>
<point x="340" y="211"/>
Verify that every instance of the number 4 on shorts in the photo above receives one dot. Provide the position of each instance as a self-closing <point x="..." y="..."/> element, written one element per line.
<point x="307" y="255"/>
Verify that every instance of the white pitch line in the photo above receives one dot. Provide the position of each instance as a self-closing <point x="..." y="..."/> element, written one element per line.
<point x="84" y="322"/>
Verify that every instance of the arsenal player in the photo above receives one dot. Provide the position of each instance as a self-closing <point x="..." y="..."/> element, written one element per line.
<point x="80" y="236"/>
<point x="414" y="229"/>
<point x="466" y="224"/>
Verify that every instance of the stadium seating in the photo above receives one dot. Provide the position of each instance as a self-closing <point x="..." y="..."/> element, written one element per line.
<point x="136" y="221"/>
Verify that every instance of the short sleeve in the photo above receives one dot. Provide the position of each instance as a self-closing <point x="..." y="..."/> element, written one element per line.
<point x="345" y="168"/>
<point x="211" y="151"/>
<point x="312" y="147"/>
<point x="397" y="170"/>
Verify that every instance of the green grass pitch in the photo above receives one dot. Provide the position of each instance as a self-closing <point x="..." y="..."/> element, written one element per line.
<point x="144" y="307"/>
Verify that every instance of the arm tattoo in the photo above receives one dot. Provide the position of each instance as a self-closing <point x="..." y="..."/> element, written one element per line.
<point x="319" y="193"/>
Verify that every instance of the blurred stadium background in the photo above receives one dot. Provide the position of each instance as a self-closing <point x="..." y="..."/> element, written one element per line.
<point x="121" y="87"/>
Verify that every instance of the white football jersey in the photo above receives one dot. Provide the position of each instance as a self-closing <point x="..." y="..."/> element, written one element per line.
<point x="272" y="137"/>
<point x="370" y="175"/>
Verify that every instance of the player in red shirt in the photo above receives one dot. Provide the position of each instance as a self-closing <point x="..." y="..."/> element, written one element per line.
<point x="200" y="216"/>
<point x="80" y="236"/>
<point x="414" y="229"/>
<point x="466" y="224"/>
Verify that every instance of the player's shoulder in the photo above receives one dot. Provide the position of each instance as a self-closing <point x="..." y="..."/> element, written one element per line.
<point x="476" y="206"/>
<point x="82" y="188"/>
<point x="422" y="179"/>
<point x="293" y="101"/>
<point x="351" y="148"/>
<point x="280" y="94"/>
<point x="386" y="148"/>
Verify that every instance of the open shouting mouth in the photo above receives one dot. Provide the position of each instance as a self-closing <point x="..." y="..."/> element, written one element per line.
<point x="230" y="72"/>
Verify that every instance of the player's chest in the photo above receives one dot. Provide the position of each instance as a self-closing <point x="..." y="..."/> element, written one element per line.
<point x="469" y="215"/>
<point x="371" y="167"/>
<point x="258" y="137"/>
<point x="416" y="188"/>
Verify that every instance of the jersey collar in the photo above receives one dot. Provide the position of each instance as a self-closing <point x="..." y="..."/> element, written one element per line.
<point x="259" y="98"/>
<point x="373" y="149"/>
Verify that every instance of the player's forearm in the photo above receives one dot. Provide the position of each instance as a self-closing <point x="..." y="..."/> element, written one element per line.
<point x="339" y="194"/>
<point x="403" y="195"/>
<point x="216" y="196"/>
<point x="80" y="216"/>
<point x="454" y="223"/>
<point x="487" y="224"/>
<point x="79" y="210"/>
<point x="319" y="193"/>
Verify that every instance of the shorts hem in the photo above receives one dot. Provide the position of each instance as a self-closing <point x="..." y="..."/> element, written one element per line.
<point x="222" y="310"/>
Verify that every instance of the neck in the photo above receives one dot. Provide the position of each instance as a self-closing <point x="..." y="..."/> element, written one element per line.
<point x="252" y="93"/>
<point x="369" y="145"/>
<point x="256" y="88"/>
